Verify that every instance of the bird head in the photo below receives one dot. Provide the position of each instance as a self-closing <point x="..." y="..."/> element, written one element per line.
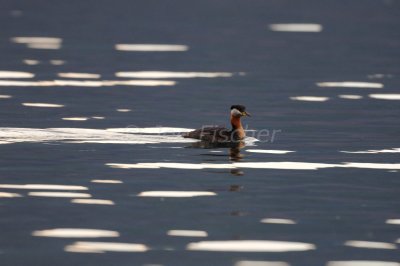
<point x="239" y="110"/>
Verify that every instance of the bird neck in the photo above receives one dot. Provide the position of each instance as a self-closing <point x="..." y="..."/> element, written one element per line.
<point x="237" y="126"/>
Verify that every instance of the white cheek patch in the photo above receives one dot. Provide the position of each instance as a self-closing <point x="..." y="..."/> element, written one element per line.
<point x="236" y="112"/>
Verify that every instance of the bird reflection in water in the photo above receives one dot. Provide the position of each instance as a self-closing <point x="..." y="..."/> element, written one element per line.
<point x="236" y="156"/>
<point x="234" y="152"/>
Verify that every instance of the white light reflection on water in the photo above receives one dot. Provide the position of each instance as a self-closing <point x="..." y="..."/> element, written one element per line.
<point x="170" y="74"/>
<point x="43" y="105"/>
<point x="393" y="150"/>
<point x="175" y="194"/>
<point x="187" y="233"/>
<point x="296" y="27"/>
<point x="79" y="75"/>
<point x="387" y="166"/>
<point x="85" y="135"/>
<point x="39" y="42"/>
<point x="60" y="194"/>
<point x="385" y="96"/>
<point x="106" y="181"/>
<point x="151" y="47"/>
<point x="369" y="244"/>
<point x="57" y="62"/>
<point x="351" y="84"/>
<point x="277" y="221"/>
<point x="4" y="96"/>
<point x="86" y="83"/>
<point x="9" y="195"/>
<point x="310" y="98"/>
<point x="362" y="263"/>
<point x="75" y="233"/>
<point x="15" y="75"/>
<point x="149" y="130"/>
<point x="350" y="96"/>
<point x="93" y="201"/>
<point x="270" y="151"/>
<point x="31" y="62"/>
<point x="75" y="118"/>
<point x="393" y="221"/>
<point x="25" y="40"/>
<point x="250" y="246"/>
<point x="102" y="247"/>
<point x="43" y="186"/>
<point x="123" y="110"/>
<point x="261" y="263"/>
<point x="256" y="165"/>
<point x="49" y="46"/>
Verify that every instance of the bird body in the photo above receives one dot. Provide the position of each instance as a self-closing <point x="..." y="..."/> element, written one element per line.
<point x="220" y="134"/>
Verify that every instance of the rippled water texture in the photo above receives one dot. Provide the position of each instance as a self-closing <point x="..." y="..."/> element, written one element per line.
<point x="94" y="97"/>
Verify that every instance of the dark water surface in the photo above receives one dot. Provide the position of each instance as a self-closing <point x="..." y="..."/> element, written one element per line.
<point x="338" y="186"/>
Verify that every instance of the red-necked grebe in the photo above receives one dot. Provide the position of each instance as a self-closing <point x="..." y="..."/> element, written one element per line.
<point x="222" y="134"/>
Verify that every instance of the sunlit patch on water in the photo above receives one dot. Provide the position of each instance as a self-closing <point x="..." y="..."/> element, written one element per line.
<point x="270" y="151"/>
<point x="123" y="110"/>
<point x="43" y="105"/>
<point x="98" y="117"/>
<point x="369" y="244"/>
<point x="57" y="62"/>
<point x="259" y="165"/>
<point x="9" y="195"/>
<point x="43" y="186"/>
<point x="385" y="96"/>
<point x="379" y="76"/>
<point x="151" y="47"/>
<point x="86" y="83"/>
<point x="250" y="246"/>
<point x="393" y="221"/>
<point x="296" y="27"/>
<point x="261" y="263"/>
<point x="277" y="221"/>
<point x="149" y="130"/>
<point x="256" y="165"/>
<point x="39" y="42"/>
<point x="187" y="233"/>
<point x="102" y="247"/>
<point x="4" y="96"/>
<point x="31" y="62"/>
<point x="59" y="194"/>
<point x="170" y="165"/>
<point x="176" y="194"/>
<point x="75" y="118"/>
<point x="387" y="166"/>
<point x="79" y="75"/>
<point x="351" y="84"/>
<point x="393" y="150"/>
<point x="85" y="135"/>
<point x="93" y="201"/>
<point x="106" y="181"/>
<point x="15" y="75"/>
<point x="170" y="74"/>
<point x="362" y="263"/>
<point x="75" y="233"/>
<point x="350" y="96"/>
<point x="310" y="98"/>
